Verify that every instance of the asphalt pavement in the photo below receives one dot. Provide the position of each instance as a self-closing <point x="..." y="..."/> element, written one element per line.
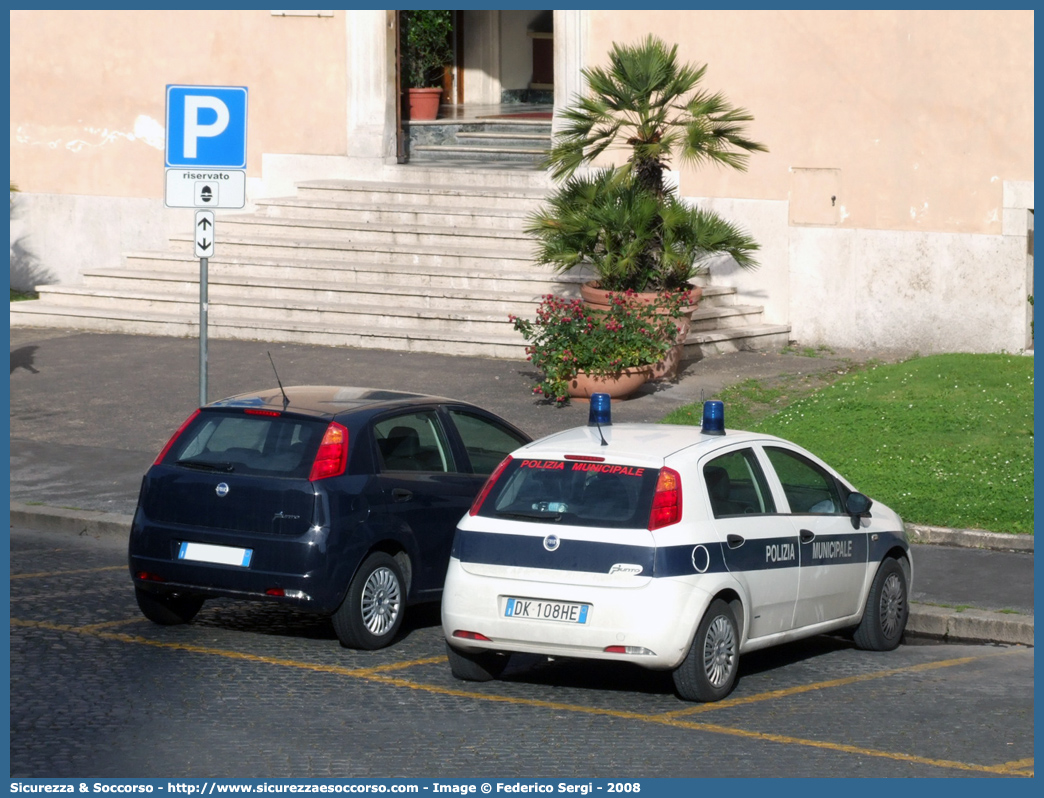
<point x="89" y="412"/>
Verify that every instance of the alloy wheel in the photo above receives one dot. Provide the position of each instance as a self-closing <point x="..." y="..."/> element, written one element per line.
<point x="381" y="600"/>
<point x="719" y="651"/>
<point x="892" y="605"/>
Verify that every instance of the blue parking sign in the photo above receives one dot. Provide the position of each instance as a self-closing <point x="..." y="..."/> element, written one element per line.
<point x="206" y="126"/>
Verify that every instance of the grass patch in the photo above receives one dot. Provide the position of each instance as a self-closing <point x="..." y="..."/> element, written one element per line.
<point x="751" y="401"/>
<point x="807" y="351"/>
<point x="20" y="296"/>
<point x="945" y="440"/>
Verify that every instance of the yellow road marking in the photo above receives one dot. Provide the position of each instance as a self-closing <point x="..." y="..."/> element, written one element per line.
<point x="398" y="666"/>
<point x="93" y="627"/>
<point x="377" y="674"/>
<point x="1018" y="764"/>
<point x="850" y="749"/>
<point x="363" y="673"/>
<point x="1021" y="767"/>
<point x="64" y="573"/>
<point x="728" y="703"/>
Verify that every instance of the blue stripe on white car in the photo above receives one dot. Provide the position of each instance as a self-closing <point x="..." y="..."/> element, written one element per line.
<point x="527" y="551"/>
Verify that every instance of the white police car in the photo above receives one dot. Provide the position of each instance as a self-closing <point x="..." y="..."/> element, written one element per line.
<point x="676" y="548"/>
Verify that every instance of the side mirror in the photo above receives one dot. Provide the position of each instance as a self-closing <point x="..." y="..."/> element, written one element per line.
<point x="858" y="505"/>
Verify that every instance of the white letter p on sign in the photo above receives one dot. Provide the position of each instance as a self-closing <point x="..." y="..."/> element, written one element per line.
<point x="193" y="129"/>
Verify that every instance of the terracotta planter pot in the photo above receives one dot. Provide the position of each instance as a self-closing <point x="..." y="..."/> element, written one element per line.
<point x="424" y="103"/>
<point x="618" y="386"/>
<point x="599" y="298"/>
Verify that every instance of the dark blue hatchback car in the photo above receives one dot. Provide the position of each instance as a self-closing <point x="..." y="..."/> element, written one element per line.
<point x="338" y="501"/>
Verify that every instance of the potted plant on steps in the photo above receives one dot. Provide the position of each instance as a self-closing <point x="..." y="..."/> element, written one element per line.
<point x="624" y="222"/>
<point x="425" y="48"/>
<point x="583" y="351"/>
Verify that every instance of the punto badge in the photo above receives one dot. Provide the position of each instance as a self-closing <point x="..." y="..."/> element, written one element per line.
<point x="221" y="489"/>
<point x="551" y="542"/>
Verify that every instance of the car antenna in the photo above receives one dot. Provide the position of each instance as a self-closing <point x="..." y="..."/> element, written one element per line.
<point x="286" y="399"/>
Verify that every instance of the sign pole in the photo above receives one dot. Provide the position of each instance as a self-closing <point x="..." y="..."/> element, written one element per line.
<point x="204" y="235"/>
<point x="203" y="331"/>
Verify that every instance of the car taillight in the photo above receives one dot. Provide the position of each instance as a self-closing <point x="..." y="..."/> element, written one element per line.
<point x="466" y="635"/>
<point x="332" y="457"/>
<point x="477" y="504"/>
<point x="174" y="437"/>
<point x="667" y="503"/>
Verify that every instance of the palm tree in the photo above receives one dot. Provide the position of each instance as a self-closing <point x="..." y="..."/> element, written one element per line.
<point x="635" y="232"/>
<point x="631" y="238"/>
<point x="646" y="101"/>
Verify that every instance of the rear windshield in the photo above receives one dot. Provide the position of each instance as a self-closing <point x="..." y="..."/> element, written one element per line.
<point x="241" y="443"/>
<point x="575" y="493"/>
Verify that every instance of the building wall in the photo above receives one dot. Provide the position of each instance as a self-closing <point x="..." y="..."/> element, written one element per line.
<point x="88" y="116"/>
<point x="898" y="140"/>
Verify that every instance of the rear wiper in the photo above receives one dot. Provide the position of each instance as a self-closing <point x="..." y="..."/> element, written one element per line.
<point x="537" y="515"/>
<point x="206" y="465"/>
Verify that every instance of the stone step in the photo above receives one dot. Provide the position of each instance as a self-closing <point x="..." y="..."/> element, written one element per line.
<point x="401" y="191"/>
<point x="541" y="139"/>
<point x="462" y="177"/>
<point x="499" y="119"/>
<point x="709" y="316"/>
<point x="451" y="162"/>
<point x="488" y="275"/>
<point x="464" y="152"/>
<point x="756" y="338"/>
<point x="464" y="259"/>
<point x="356" y="233"/>
<point x="427" y="131"/>
<point x="337" y="314"/>
<point x="307" y="292"/>
<point x="715" y="296"/>
<point x="448" y="214"/>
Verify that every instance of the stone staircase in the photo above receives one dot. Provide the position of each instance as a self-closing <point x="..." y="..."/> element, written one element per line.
<point x="505" y="140"/>
<point x="427" y="261"/>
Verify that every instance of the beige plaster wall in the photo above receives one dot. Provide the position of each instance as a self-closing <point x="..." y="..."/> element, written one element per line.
<point x="91" y="122"/>
<point x="917" y="117"/>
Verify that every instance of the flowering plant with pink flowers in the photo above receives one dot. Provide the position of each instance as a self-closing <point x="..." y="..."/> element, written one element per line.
<point x="568" y="337"/>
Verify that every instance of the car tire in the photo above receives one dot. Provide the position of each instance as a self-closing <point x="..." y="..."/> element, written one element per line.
<point x="167" y="609"/>
<point x="483" y="666"/>
<point x="372" y="611"/>
<point x="709" y="670"/>
<point x="887" y="608"/>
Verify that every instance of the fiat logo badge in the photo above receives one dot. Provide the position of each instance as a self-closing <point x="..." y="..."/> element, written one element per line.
<point x="551" y="542"/>
<point x="221" y="489"/>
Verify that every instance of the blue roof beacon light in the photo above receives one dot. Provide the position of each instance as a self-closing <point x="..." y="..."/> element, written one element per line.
<point x="600" y="414"/>
<point x="713" y="417"/>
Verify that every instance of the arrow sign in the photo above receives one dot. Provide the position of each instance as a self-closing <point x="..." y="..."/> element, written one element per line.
<point x="204" y="234"/>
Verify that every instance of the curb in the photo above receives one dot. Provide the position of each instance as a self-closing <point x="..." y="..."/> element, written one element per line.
<point x="89" y="523"/>
<point x="977" y="626"/>
<point x="968" y="538"/>
<point x="926" y="620"/>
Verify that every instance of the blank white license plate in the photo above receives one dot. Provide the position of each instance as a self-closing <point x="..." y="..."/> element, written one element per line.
<point x="221" y="555"/>
<point x="537" y="610"/>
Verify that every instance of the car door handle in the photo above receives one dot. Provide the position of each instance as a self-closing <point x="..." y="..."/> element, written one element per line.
<point x="401" y="495"/>
<point x="807" y="535"/>
<point x="734" y="541"/>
